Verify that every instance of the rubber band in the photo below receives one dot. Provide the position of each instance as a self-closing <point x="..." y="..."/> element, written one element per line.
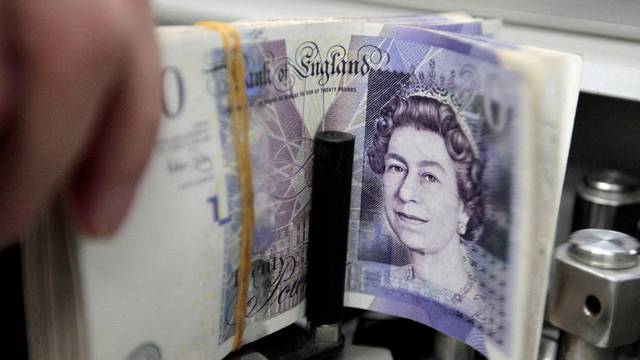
<point x="240" y="129"/>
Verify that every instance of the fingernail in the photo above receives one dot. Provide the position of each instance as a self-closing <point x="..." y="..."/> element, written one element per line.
<point x="109" y="209"/>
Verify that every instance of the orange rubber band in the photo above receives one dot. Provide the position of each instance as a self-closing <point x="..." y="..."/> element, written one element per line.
<point x="240" y="128"/>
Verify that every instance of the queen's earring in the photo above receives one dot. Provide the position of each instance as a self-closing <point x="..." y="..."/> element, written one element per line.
<point x="462" y="228"/>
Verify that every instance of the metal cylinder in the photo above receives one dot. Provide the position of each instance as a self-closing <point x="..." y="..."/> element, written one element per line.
<point x="604" y="249"/>
<point x="592" y="298"/>
<point x="607" y="199"/>
<point x="549" y="342"/>
<point x="446" y="347"/>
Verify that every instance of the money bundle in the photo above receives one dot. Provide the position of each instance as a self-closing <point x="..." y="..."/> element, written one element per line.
<point x="460" y="151"/>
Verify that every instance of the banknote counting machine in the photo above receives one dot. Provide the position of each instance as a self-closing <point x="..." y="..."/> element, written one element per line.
<point x="593" y="306"/>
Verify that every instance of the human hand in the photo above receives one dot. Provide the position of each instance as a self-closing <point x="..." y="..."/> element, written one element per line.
<point x="79" y="103"/>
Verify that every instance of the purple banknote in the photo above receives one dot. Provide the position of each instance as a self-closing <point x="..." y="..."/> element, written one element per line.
<point x="436" y="230"/>
<point x="290" y="85"/>
<point x="432" y="214"/>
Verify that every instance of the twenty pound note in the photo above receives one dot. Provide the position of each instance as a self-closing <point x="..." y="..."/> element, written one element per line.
<point x="461" y="145"/>
<point x="433" y="234"/>
<point x="443" y="224"/>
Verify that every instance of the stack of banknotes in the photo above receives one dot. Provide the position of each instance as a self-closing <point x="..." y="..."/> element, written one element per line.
<point x="461" y="147"/>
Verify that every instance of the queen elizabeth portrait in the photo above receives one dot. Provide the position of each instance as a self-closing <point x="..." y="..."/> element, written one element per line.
<point x="431" y="188"/>
<point x="432" y="242"/>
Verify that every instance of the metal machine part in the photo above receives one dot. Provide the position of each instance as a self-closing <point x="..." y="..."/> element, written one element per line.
<point x="446" y="347"/>
<point x="594" y="294"/>
<point x="253" y="356"/>
<point x="607" y="199"/>
<point x="574" y="348"/>
<point x="146" y="351"/>
<point x="291" y="343"/>
<point x="328" y="229"/>
<point x="549" y="343"/>
<point x="324" y="333"/>
<point x="604" y="249"/>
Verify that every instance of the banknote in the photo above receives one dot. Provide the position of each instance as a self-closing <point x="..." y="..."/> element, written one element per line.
<point x="281" y="152"/>
<point x="291" y="86"/>
<point x="465" y="285"/>
<point x="449" y="138"/>
<point x="433" y="208"/>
